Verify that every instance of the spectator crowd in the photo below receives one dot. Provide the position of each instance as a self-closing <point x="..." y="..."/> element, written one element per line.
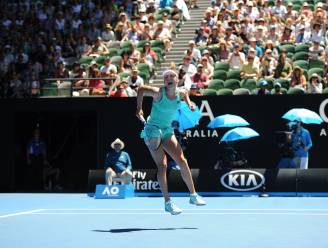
<point x="90" y="40"/>
<point x="101" y="47"/>
<point x="258" y="47"/>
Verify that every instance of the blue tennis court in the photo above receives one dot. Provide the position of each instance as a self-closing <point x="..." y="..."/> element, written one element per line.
<point x="76" y="220"/>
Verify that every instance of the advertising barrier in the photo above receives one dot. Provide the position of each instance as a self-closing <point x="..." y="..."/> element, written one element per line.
<point x="239" y="181"/>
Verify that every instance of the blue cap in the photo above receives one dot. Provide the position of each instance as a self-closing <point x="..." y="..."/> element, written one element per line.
<point x="263" y="83"/>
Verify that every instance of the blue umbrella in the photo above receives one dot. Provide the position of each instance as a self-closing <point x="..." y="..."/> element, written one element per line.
<point x="239" y="133"/>
<point x="186" y="117"/>
<point x="304" y="115"/>
<point x="227" y="121"/>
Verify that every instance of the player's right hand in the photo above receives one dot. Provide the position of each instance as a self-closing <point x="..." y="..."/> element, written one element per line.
<point x="140" y="115"/>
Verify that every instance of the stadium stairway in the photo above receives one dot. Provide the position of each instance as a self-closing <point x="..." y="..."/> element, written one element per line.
<point x="180" y="42"/>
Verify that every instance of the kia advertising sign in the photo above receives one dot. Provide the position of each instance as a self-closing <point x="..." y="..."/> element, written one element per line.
<point x="242" y="180"/>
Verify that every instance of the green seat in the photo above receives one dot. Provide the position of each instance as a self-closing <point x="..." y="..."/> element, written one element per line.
<point x="325" y="90"/>
<point x="163" y="10"/>
<point x="145" y="76"/>
<point x="124" y="75"/>
<point x="221" y="66"/>
<point x="301" y="63"/>
<point x="233" y="74"/>
<point x="271" y="3"/>
<point x="241" y="91"/>
<point x="225" y="92"/>
<point x="216" y="84"/>
<point x="201" y="48"/>
<point x="284" y="83"/>
<point x="290" y="56"/>
<point x="209" y="92"/>
<point x="144" y="67"/>
<point x="249" y="84"/>
<point x="295" y="91"/>
<point x="319" y="71"/>
<point x="301" y="56"/>
<point x="126" y="44"/>
<point x="302" y="48"/>
<point x="49" y="89"/>
<point x="85" y="60"/>
<point x="157" y="43"/>
<point x="124" y="50"/>
<point x="220" y="74"/>
<point x="297" y="7"/>
<point x="100" y="60"/>
<point x="232" y="84"/>
<point x="112" y="52"/>
<point x="289" y="48"/>
<point x="299" y="2"/>
<point x="158" y="17"/>
<point x="311" y="6"/>
<point x="159" y="52"/>
<point x="214" y="49"/>
<point x="141" y="43"/>
<point x="316" y="64"/>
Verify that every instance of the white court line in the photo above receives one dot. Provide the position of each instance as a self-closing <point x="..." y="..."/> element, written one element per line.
<point x="20" y="213"/>
<point x="199" y="209"/>
<point x="163" y="213"/>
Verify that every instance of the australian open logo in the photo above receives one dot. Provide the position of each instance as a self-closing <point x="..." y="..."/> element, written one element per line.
<point x="200" y="132"/>
<point x="242" y="180"/>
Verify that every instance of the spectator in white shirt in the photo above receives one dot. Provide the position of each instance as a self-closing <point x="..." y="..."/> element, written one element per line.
<point x="236" y="59"/>
<point x="108" y="34"/>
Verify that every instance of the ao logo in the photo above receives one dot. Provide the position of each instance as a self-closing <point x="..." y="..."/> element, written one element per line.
<point x="322" y="110"/>
<point x="242" y="180"/>
<point x="111" y="190"/>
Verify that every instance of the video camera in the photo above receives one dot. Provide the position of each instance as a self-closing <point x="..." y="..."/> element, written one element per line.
<point x="284" y="141"/>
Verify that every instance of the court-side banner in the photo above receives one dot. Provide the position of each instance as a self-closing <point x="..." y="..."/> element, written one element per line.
<point x="204" y="149"/>
<point x="240" y="180"/>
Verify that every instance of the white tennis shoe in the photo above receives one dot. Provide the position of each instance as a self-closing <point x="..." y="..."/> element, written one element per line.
<point x="172" y="208"/>
<point x="196" y="200"/>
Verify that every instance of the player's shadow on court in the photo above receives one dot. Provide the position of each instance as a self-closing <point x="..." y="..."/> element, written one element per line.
<point x="124" y="230"/>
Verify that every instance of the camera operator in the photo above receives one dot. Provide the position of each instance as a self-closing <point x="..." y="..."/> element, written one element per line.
<point x="301" y="144"/>
<point x="230" y="158"/>
<point x="284" y="140"/>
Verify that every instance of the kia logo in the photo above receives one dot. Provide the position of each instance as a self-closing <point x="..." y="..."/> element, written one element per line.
<point x="242" y="180"/>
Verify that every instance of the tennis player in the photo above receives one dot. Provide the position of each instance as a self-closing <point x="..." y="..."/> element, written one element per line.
<point x="159" y="134"/>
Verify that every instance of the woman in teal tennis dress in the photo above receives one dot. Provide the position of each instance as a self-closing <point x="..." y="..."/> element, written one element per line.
<point x="159" y="135"/>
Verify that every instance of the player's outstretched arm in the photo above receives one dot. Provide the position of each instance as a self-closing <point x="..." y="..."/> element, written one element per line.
<point x="185" y="96"/>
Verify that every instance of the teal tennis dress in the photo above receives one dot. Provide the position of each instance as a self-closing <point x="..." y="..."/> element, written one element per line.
<point x="159" y="123"/>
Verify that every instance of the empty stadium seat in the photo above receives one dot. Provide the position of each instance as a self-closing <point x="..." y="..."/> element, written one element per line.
<point x="216" y="84"/>
<point x="224" y="92"/>
<point x="295" y="91"/>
